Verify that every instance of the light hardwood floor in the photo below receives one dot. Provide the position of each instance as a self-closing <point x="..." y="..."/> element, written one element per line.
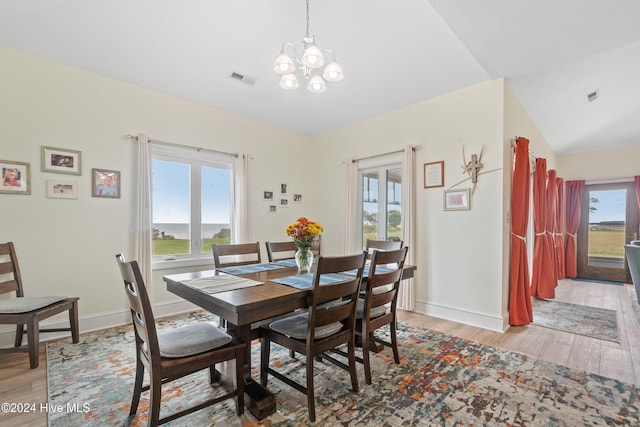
<point x="621" y="360"/>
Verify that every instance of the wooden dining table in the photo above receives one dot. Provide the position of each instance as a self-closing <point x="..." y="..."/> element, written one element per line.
<point x="243" y="309"/>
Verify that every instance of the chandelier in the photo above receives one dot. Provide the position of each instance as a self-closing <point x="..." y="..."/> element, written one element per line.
<point x="312" y="60"/>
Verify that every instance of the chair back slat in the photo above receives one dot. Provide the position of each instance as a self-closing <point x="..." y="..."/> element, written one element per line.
<point x="376" y="295"/>
<point x="10" y="277"/>
<point x="382" y="245"/>
<point x="240" y="251"/>
<point x="340" y="297"/>
<point x="140" y="306"/>
<point x="289" y="248"/>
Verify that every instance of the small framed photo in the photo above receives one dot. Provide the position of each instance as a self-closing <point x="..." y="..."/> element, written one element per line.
<point x="60" y="160"/>
<point x="284" y="203"/>
<point x="105" y="183"/>
<point x="57" y="189"/>
<point x="457" y="200"/>
<point x="434" y="174"/>
<point x="16" y="178"/>
<point x="283" y="189"/>
<point x="272" y="209"/>
<point x="297" y="198"/>
<point x="267" y="195"/>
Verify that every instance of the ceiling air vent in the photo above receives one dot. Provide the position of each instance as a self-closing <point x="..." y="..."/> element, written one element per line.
<point x="592" y="96"/>
<point x="242" y="78"/>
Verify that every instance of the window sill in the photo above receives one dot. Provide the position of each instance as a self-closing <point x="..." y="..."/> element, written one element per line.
<point x="180" y="263"/>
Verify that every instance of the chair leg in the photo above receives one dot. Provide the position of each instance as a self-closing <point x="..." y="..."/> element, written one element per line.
<point x="352" y="364"/>
<point x="366" y="340"/>
<point x="19" y="335"/>
<point x="240" y="381"/>
<point x="137" y="387"/>
<point x="155" y="395"/>
<point x="73" y="322"/>
<point x="394" y="340"/>
<point x="311" y="398"/>
<point x="33" y="340"/>
<point x="265" y="350"/>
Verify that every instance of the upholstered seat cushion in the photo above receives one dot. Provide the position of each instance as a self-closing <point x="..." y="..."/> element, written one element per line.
<point x="26" y="304"/>
<point x="296" y="327"/>
<point x="191" y="339"/>
<point x="375" y="311"/>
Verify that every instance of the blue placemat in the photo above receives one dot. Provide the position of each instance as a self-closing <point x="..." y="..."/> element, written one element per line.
<point x="305" y="281"/>
<point x="239" y="270"/>
<point x="365" y="273"/>
<point x="286" y="262"/>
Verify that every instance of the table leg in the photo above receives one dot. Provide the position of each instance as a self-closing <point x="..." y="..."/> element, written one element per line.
<point x="260" y="401"/>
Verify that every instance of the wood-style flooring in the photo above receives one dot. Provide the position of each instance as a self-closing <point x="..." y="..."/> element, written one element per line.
<point x="19" y="384"/>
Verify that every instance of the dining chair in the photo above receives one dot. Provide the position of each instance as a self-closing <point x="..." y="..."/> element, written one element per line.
<point x="242" y="253"/>
<point x="29" y="311"/>
<point x="382" y="245"/>
<point x="285" y="249"/>
<point x="176" y="353"/>
<point x="326" y="325"/>
<point x="377" y="307"/>
<point x="315" y="246"/>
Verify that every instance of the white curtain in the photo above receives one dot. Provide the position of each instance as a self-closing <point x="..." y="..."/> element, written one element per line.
<point x="406" y="297"/>
<point x="143" y="208"/>
<point x="240" y="206"/>
<point x="351" y="245"/>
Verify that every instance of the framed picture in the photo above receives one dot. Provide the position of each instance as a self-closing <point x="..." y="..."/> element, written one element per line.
<point x="283" y="189"/>
<point x="434" y="174"/>
<point x="60" y="160"/>
<point x="297" y="198"/>
<point x="284" y="203"/>
<point x="272" y="209"/>
<point x="267" y="195"/>
<point x="57" y="189"/>
<point x="105" y="183"/>
<point x="16" y="178"/>
<point x="457" y="200"/>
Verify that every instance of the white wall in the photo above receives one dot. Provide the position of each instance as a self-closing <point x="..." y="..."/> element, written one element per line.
<point x="458" y="254"/>
<point x="623" y="163"/>
<point x="68" y="246"/>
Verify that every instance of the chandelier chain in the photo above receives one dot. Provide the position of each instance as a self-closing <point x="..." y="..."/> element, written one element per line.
<point x="307" y="18"/>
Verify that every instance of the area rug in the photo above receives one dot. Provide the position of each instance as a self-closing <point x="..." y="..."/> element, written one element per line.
<point x="600" y="323"/>
<point x="441" y="381"/>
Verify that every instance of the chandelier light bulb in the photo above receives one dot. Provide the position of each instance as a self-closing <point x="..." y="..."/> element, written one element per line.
<point x="289" y="82"/>
<point x="312" y="57"/>
<point x="333" y="72"/>
<point x="284" y="64"/>
<point x="317" y="85"/>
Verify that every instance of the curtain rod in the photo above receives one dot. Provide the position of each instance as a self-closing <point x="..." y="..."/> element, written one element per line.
<point x="414" y="148"/>
<point x="173" y="144"/>
<point x="513" y="145"/>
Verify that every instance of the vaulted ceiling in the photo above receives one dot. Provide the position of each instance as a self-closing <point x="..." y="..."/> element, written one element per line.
<point x="553" y="53"/>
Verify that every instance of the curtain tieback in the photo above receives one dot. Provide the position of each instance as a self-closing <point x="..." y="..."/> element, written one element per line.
<point x="540" y="234"/>
<point x="572" y="235"/>
<point x="524" y="239"/>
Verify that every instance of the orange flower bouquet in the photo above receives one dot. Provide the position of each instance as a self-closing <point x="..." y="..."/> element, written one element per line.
<point x="303" y="232"/>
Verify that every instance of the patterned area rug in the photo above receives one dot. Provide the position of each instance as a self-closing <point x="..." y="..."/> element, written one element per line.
<point x="592" y="322"/>
<point x="441" y="380"/>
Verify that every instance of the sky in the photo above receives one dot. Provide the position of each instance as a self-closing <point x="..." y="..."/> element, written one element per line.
<point x="611" y="206"/>
<point x="171" y="202"/>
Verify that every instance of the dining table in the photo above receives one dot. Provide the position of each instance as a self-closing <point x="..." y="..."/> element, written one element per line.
<point x="244" y="296"/>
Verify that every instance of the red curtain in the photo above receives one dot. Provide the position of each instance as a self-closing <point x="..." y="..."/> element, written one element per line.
<point x="542" y="285"/>
<point x="520" y="311"/>
<point x="573" y="203"/>
<point x="559" y="229"/>
<point x="550" y="227"/>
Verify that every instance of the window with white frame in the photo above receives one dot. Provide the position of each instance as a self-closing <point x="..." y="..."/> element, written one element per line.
<point x="191" y="202"/>
<point x="380" y="207"/>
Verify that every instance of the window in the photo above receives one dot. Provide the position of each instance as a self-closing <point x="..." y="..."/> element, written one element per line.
<point x="381" y="202"/>
<point x="191" y="202"/>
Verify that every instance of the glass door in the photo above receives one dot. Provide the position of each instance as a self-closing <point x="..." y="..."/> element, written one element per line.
<point x="609" y="220"/>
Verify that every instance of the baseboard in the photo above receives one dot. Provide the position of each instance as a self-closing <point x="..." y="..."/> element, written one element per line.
<point x="95" y="322"/>
<point x="457" y="314"/>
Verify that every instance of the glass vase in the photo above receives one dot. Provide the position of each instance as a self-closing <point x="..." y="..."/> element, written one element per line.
<point x="304" y="259"/>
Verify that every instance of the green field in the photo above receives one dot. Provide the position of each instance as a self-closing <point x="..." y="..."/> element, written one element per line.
<point x="181" y="246"/>
<point x="606" y="243"/>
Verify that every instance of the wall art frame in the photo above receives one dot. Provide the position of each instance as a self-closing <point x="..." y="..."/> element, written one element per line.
<point x="105" y="183"/>
<point x="457" y="200"/>
<point x="57" y="189"/>
<point x="434" y="174"/>
<point x="61" y="160"/>
<point x="15" y="177"/>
